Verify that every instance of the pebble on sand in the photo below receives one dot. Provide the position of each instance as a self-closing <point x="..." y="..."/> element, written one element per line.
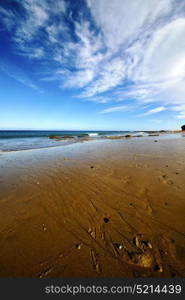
<point x="78" y="246"/>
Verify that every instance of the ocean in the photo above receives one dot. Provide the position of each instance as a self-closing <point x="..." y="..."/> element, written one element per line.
<point x="16" y="140"/>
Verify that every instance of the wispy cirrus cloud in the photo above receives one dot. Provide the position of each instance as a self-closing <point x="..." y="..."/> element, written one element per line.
<point x="18" y="74"/>
<point x="181" y="111"/>
<point x="154" y="111"/>
<point x="181" y="115"/>
<point x="107" y="51"/>
<point x="121" y="108"/>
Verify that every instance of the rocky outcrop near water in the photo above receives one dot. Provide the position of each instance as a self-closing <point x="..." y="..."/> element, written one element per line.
<point x="59" y="138"/>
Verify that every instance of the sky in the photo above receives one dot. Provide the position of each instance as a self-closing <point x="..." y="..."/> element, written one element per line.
<point x="92" y="64"/>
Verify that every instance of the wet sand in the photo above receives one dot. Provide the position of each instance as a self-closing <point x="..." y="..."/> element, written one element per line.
<point x="113" y="208"/>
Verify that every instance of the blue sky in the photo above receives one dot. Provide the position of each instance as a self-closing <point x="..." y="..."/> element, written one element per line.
<point x="92" y="64"/>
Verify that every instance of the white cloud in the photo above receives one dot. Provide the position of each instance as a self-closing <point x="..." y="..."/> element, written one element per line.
<point x="123" y="21"/>
<point x="164" y="57"/>
<point x="181" y="115"/>
<point x="150" y="40"/>
<point x="121" y="108"/>
<point x="83" y="56"/>
<point x="179" y="107"/>
<point x="154" y="111"/>
<point x="181" y="111"/>
<point x="36" y="16"/>
<point x="79" y="79"/>
<point x="99" y="99"/>
<point x="7" y="18"/>
<point x="111" y="74"/>
<point x="133" y="50"/>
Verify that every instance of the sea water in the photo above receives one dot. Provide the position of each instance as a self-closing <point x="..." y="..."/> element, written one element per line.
<point x="15" y="140"/>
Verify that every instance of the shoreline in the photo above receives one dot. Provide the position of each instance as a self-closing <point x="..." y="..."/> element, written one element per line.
<point x="111" y="137"/>
<point x="105" y="209"/>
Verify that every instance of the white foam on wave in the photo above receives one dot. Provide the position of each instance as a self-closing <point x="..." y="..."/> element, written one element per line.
<point x="93" y="134"/>
<point x="140" y="133"/>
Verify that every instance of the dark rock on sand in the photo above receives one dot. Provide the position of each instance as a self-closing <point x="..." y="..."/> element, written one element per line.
<point x="183" y="127"/>
<point x="156" y="267"/>
<point x="78" y="246"/>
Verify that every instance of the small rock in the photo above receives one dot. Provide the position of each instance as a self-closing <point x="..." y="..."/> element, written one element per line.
<point x="146" y="260"/>
<point x="136" y="241"/>
<point x="157" y="268"/>
<point x="44" y="227"/>
<point x="78" y="246"/>
<point x="92" y="233"/>
<point x="162" y="252"/>
<point x="118" y="246"/>
<point x="97" y="267"/>
<point x="149" y="245"/>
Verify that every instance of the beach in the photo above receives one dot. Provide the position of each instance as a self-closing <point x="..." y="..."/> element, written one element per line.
<point x="101" y="208"/>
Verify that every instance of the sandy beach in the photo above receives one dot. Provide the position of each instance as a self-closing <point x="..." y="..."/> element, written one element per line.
<point x="111" y="208"/>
